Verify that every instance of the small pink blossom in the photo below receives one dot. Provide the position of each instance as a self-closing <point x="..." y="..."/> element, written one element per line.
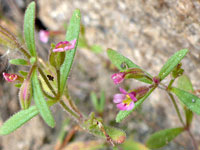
<point x="118" y="77"/>
<point x="64" y="46"/>
<point x="44" y="36"/>
<point x="125" y="100"/>
<point x="10" y="77"/>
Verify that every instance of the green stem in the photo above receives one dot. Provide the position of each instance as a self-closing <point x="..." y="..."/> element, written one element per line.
<point x="73" y="106"/>
<point x="170" y="83"/>
<point x="47" y="81"/>
<point x="58" y="81"/>
<point x="176" y="108"/>
<point x="69" y="110"/>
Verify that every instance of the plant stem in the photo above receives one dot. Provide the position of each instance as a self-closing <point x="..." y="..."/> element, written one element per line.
<point x="69" y="110"/>
<point x="58" y="82"/>
<point x="47" y="81"/>
<point x="73" y="106"/>
<point x="193" y="139"/>
<point x="176" y="108"/>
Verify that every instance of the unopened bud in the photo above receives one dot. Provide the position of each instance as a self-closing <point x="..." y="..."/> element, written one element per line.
<point x="25" y="94"/>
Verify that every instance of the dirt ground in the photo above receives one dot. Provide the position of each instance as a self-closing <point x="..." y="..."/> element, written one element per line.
<point x="146" y="31"/>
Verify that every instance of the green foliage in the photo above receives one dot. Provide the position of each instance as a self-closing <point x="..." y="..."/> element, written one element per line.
<point x="117" y="59"/>
<point x="98" y="104"/>
<point x="191" y="101"/>
<point x="18" y="62"/>
<point x="17" y="120"/>
<point x="95" y="126"/>
<point x="172" y="62"/>
<point x="185" y="84"/>
<point x="163" y="137"/>
<point x="72" y="33"/>
<point x="40" y="101"/>
<point x="29" y="28"/>
<point x="123" y="114"/>
<point x="20" y="118"/>
<point x="130" y="144"/>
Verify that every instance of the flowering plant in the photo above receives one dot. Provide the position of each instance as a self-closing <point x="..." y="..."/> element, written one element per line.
<point x="46" y="84"/>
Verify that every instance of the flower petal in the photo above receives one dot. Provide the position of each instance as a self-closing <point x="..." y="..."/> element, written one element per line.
<point x="118" y="98"/>
<point x="121" y="106"/>
<point x="10" y="77"/>
<point x="132" y="96"/>
<point x="130" y="106"/>
<point x="123" y="91"/>
<point x="118" y="77"/>
<point x="44" y="36"/>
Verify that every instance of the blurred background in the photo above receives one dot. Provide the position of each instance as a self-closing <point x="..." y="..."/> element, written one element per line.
<point x="146" y="31"/>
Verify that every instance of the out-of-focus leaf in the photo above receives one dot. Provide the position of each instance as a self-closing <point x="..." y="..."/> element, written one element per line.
<point x="191" y="101"/>
<point x="130" y="144"/>
<point x="87" y="145"/>
<point x="29" y="28"/>
<point x="123" y="114"/>
<point x="172" y="62"/>
<point x="72" y="33"/>
<point x="40" y="101"/>
<point x="117" y="59"/>
<point x="163" y="137"/>
<point x="18" y="62"/>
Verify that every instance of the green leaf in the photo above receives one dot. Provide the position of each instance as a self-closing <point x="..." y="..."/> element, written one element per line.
<point x="94" y="100"/>
<point x="102" y="101"/>
<point x="163" y="137"/>
<point x="118" y="60"/>
<point x="130" y="144"/>
<point x="18" y="62"/>
<point x="40" y="101"/>
<point x="17" y="120"/>
<point x="191" y="101"/>
<point x="72" y="33"/>
<point x="172" y="62"/>
<point x="29" y="28"/>
<point x="185" y="84"/>
<point x="123" y="114"/>
<point x="20" y="118"/>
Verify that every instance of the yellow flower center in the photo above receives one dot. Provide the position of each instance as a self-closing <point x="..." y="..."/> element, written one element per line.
<point x="127" y="101"/>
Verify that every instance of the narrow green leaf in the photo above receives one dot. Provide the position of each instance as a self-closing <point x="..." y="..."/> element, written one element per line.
<point x="102" y="101"/>
<point x="20" y="118"/>
<point x="172" y="62"/>
<point x="18" y="62"/>
<point x="94" y="100"/>
<point x="185" y="84"/>
<point x="40" y="101"/>
<point x="123" y="114"/>
<point x="119" y="60"/>
<point x="72" y="33"/>
<point x="29" y="28"/>
<point x="17" y="120"/>
<point x="163" y="137"/>
<point x="191" y="101"/>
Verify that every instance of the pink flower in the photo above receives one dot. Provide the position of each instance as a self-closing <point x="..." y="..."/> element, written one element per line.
<point x="125" y="100"/>
<point x="64" y="46"/>
<point x="118" y="77"/>
<point x="10" y="77"/>
<point x="44" y="36"/>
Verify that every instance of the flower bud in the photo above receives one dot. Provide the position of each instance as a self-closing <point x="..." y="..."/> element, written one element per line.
<point x="25" y="94"/>
<point x="141" y="91"/>
<point x="118" y="77"/>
